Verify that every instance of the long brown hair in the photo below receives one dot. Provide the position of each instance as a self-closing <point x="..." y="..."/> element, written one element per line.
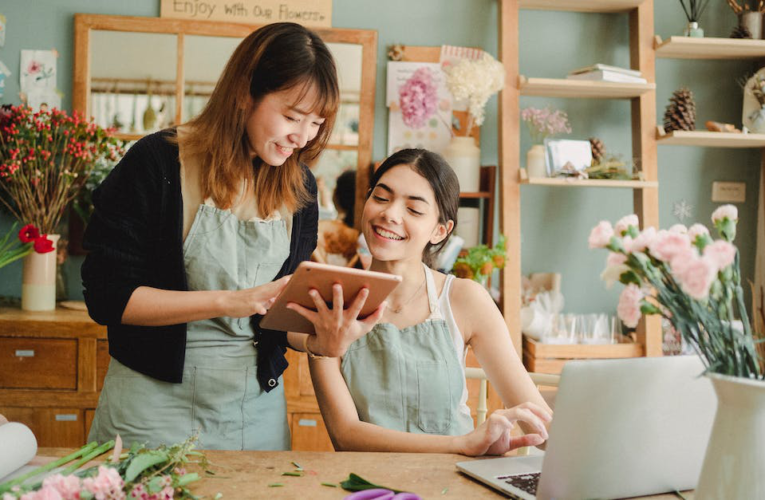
<point x="276" y="57"/>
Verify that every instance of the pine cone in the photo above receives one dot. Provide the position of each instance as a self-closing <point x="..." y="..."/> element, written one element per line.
<point x="740" y="32"/>
<point x="681" y="111"/>
<point x="598" y="149"/>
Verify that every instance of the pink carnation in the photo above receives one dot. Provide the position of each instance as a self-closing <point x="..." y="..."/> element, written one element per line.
<point x="629" y="305"/>
<point x="625" y="222"/>
<point x="106" y="486"/>
<point x="601" y="235"/>
<point x="666" y="245"/>
<point x="697" y="277"/>
<point x="721" y="253"/>
<point x="679" y="229"/>
<point x="681" y="260"/>
<point x="418" y="98"/>
<point x="68" y="486"/>
<point x="45" y="493"/>
<point x="697" y="230"/>
<point x="643" y="240"/>
<point x="726" y="211"/>
<point x="615" y="267"/>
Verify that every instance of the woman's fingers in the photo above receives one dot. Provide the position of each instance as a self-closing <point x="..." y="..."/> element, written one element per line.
<point x="337" y="302"/>
<point x="538" y="411"/>
<point x="376" y="316"/>
<point x="526" y="440"/>
<point x="358" y="303"/>
<point x="318" y="300"/>
<point x="308" y="314"/>
<point x="528" y="416"/>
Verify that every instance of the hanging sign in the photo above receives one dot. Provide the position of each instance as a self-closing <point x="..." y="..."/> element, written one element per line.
<point x="314" y="13"/>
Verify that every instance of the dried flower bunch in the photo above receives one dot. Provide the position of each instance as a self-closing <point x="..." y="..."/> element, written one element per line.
<point x="545" y="122"/>
<point x="45" y="159"/>
<point x="475" y="80"/>
<point x="757" y="88"/>
<point x="688" y="278"/>
<point x="737" y="9"/>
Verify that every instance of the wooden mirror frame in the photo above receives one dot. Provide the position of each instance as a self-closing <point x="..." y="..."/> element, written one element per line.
<point x="84" y="24"/>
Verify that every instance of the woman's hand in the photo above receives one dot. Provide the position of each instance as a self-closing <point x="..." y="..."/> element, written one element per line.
<point x="493" y="436"/>
<point x="337" y="328"/>
<point x="243" y="303"/>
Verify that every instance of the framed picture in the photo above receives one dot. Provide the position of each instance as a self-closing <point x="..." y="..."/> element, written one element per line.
<point x="562" y="152"/>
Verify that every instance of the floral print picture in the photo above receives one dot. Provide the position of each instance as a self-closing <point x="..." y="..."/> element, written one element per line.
<point x="38" y="70"/>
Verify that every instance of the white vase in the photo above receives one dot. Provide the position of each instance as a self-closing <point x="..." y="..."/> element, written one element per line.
<point x="535" y="162"/>
<point x="465" y="159"/>
<point x="734" y="464"/>
<point x="38" y="279"/>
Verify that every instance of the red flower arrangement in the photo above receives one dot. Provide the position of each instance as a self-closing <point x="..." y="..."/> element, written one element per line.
<point x="29" y="238"/>
<point x="45" y="159"/>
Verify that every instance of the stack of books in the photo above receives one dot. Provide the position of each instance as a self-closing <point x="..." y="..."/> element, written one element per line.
<point x="606" y="73"/>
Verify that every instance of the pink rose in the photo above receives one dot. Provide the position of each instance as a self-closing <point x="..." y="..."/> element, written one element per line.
<point x="697" y="230"/>
<point x="625" y="222"/>
<point x="721" y="253"/>
<point x="68" y="486"/>
<point x="679" y="229"/>
<point x="726" y="211"/>
<point x="643" y="240"/>
<point x="697" y="277"/>
<point x="601" y="235"/>
<point x="666" y="245"/>
<point x="629" y="305"/>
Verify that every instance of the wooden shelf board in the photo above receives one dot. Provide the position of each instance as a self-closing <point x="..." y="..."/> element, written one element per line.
<point x="711" y="139"/>
<point x="540" y="350"/>
<point x="558" y="87"/>
<point x="563" y="182"/>
<point x="581" y="5"/>
<point x="683" y="47"/>
<point x="479" y="194"/>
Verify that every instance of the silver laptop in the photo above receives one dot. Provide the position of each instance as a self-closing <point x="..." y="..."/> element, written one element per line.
<point x="621" y="428"/>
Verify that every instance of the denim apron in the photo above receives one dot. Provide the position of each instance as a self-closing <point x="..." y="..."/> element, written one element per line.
<point x="220" y="396"/>
<point x="409" y="379"/>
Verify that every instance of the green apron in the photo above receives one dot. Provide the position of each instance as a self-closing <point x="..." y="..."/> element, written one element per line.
<point x="220" y="396"/>
<point x="409" y="380"/>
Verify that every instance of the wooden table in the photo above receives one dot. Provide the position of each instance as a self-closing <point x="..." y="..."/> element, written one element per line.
<point x="247" y="474"/>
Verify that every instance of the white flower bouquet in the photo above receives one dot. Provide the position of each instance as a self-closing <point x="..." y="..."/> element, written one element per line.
<point x="475" y="81"/>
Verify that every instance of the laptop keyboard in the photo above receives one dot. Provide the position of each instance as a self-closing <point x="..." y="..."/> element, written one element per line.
<point x="525" y="482"/>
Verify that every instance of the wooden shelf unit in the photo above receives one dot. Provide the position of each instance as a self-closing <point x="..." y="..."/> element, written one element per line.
<point x="643" y="120"/>
<point x="711" y="139"/>
<point x="683" y="47"/>
<point x="550" y="358"/>
<point x="608" y="6"/>
<point x="600" y="183"/>
<point x="558" y="87"/>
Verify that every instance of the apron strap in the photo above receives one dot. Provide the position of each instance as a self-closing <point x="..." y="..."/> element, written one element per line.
<point x="430" y="286"/>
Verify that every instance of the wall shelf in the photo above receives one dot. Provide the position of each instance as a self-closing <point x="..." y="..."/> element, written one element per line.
<point x="552" y="87"/>
<point x="711" y="139"/>
<point x="571" y="182"/>
<point x="683" y="47"/>
<point x="581" y="5"/>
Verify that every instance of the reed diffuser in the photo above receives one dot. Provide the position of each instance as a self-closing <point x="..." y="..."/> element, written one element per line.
<point x="693" y="10"/>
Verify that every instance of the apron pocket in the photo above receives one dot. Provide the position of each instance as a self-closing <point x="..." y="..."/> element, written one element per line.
<point x="434" y="412"/>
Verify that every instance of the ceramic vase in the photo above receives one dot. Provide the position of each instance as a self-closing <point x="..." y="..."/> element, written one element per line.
<point x="758" y="121"/>
<point x="465" y="159"/>
<point x="535" y="162"/>
<point x="752" y="21"/>
<point x="734" y="464"/>
<point x="38" y="279"/>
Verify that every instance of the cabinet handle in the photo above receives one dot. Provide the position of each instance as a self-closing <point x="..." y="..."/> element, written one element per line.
<point x="307" y="422"/>
<point x="25" y="353"/>
<point x="66" y="417"/>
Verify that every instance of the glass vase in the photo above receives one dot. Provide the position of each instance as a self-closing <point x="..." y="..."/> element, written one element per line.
<point x="465" y="158"/>
<point x="693" y="30"/>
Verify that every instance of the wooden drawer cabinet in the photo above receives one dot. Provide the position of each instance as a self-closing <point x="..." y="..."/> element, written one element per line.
<point x="52" y="366"/>
<point x="54" y="427"/>
<point x="309" y="433"/>
<point x="37" y="363"/>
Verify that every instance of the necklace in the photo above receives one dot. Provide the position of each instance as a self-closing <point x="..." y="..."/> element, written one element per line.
<point x="401" y="308"/>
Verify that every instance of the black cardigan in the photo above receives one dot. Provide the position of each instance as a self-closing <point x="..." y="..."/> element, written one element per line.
<point x="135" y="238"/>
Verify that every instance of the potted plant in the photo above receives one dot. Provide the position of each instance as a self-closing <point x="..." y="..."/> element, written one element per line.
<point x="694" y="282"/>
<point x="477" y="263"/>
<point x="45" y="159"/>
<point x="542" y="123"/>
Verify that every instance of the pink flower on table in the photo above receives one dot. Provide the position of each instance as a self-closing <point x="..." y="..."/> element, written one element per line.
<point x="643" y="240"/>
<point x="666" y="245"/>
<point x="139" y="492"/>
<point x="697" y="230"/>
<point x="726" y="211"/>
<point x="166" y="493"/>
<point x="68" y="486"/>
<point x="629" y="305"/>
<point x="625" y="222"/>
<point x="418" y="98"/>
<point x="679" y="229"/>
<point x="697" y="276"/>
<point x="721" y="253"/>
<point x="601" y="235"/>
<point x="45" y="493"/>
<point x="107" y="485"/>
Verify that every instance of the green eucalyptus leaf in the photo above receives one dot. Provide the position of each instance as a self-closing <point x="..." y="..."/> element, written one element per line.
<point x="187" y="479"/>
<point x="142" y="462"/>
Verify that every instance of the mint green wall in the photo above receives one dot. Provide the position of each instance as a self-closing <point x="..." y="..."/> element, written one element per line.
<point x="556" y="222"/>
